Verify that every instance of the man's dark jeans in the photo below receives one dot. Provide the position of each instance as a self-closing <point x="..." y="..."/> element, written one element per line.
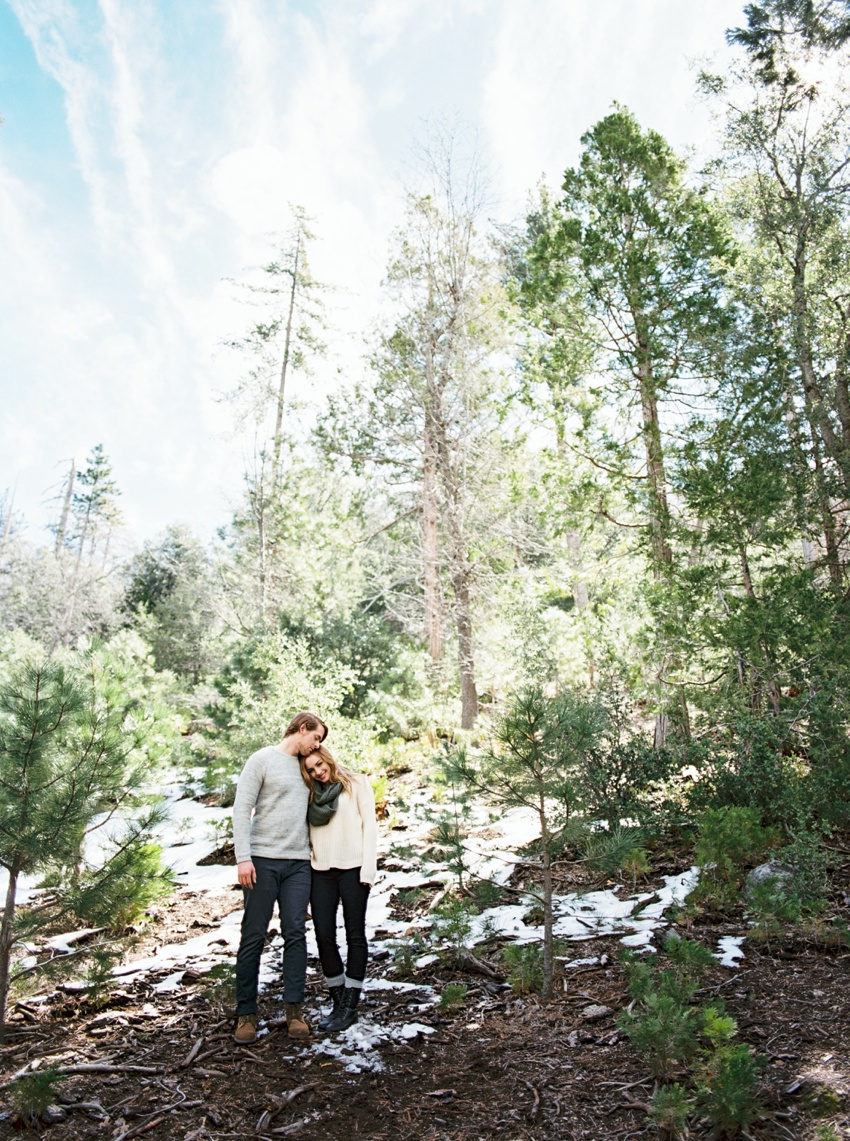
<point x="288" y="883"/>
<point x="329" y="888"/>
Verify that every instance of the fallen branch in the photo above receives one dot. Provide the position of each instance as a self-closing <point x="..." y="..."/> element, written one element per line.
<point x="535" y="1109"/>
<point x="279" y="1103"/>
<point x="137" y="1129"/>
<point x="468" y="960"/>
<point x="193" y="1053"/>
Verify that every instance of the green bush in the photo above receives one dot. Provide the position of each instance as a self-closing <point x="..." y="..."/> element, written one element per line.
<point x="452" y="927"/>
<point x="524" y="965"/>
<point x="727" y="1086"/>
<point x="664" y="1031"/>
<point x="729" y="839"/>
<point x="607" y="851"/>
<point x="405" y="952"/>
<point x="771" y="904"/>
<point x="452" y="998"/>
<point x="219" y="986"/>
<point x="751" y="770"/>
<point x="32" y="1094"/>
<point x="670" y="1108"/>
<point x="623" y="781"/>
<point x="691" y="959"/>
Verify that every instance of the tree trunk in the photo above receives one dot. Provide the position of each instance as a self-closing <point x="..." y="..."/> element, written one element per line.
<point x="465" y="646"/>
<point x="580" y="593"/>
<point x="818" y="412"/>
<point x="61" y="635"/>
<point x="547" y="991"/>
<point x="284" y="367"/>
<point x="659" y="515"/>
<point x="62" y="529"/>
<point x="830" y="534"/>
<point x="7" y="527"/>
<point x="6" y="940"/>
<point x="430" y="541"/>
<point x="262" y="575"/>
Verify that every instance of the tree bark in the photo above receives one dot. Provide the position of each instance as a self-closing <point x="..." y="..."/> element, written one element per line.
<point x="284" y="367"/>
<point x="580" y="592"/>
<point x="547" y="989"/>
<point x="465" y="645"/>
<point x="61" y="530"/>
<point x="6" y="940"/>
<point x="430" y="539"/>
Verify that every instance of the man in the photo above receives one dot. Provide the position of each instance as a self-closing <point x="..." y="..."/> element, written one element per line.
<point x="272" y="845"/>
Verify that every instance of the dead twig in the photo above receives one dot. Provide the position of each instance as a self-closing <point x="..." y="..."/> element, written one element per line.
<point x="193" y="1053"/>
<point x="535" y="1109"/>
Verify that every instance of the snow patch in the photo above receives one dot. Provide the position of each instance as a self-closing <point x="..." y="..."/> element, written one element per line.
<point x="729" y="950"/>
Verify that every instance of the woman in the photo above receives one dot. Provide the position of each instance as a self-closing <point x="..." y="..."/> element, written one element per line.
<point x="343" y="838"/>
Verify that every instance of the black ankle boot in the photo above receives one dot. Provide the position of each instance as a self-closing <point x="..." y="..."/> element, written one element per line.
<point x="347" y="1014"/>
<point x="336" y="995"/>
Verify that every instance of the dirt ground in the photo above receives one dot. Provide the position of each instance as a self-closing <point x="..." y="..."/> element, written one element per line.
<point x="164" y="1066"/>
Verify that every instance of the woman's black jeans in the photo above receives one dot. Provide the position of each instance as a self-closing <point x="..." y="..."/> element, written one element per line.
<point x="329" y="887"/>
<point x="287" y="883"/>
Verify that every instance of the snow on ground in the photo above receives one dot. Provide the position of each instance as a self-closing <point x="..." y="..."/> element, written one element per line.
<point x="193" y="830"/>
<point x="729" y="950"/>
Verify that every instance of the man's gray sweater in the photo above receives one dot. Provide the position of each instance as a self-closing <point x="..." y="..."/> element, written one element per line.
<point x="271" y="786"/>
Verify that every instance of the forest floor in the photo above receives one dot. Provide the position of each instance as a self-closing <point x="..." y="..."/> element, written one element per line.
<point x="154" y="1057"/>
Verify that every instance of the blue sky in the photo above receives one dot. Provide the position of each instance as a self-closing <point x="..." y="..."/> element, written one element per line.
<point x="150" y="147"/>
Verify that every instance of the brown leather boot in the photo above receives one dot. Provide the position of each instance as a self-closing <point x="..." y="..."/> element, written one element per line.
<point x="296" y="1027"/>
<point x="246" y="1029"/>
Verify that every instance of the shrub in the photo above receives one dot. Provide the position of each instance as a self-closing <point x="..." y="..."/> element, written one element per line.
<point x="524" y="965"/>
<point x="609" y="851"/>
<point x="664" y="1031"/>
<point x="691" y="959"/>
<point x="452" y="927"/>
<point x="771" y="904"/>
<point x="670" y="1108"/>
<point x="452" y="997"/>
<point x="809" y="861"/>
<point x="485" y="893"/>
<point x="32" y="1094"/>
<point x="617" y="782"/>
<point x="219" y="986"/>
<point x="405" y="952"/>
<point x="727" y="1085"/>
<point x="729" y="839"/>
<point x="752" y="771"/>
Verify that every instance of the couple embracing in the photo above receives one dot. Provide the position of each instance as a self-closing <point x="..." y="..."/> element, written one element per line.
<point x="304" y="832"/>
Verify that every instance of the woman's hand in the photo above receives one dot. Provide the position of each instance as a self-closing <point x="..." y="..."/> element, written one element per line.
<point x="246" y="874"/>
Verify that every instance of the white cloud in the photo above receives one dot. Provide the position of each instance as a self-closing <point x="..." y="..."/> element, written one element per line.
<point x="112" y="313"/>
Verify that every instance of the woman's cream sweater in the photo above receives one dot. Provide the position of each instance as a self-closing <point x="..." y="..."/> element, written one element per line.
<point x="350" y="838"/>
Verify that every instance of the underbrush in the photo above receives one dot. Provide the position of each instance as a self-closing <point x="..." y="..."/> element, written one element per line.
<point x="689" y="1046"/>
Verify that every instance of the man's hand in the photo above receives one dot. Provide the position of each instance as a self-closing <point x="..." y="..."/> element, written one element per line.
<point x="246" y="874"/>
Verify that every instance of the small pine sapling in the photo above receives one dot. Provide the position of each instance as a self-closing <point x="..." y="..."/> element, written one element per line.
<point x="33" y="1094"/>
<point x="452" y="929"/>
<point x="727" y="1086"/>
<point x="524" y="963"/>
<point x="452" y="998"/>
<point x="539" y="745"/>
<point x="670" y="1107"/>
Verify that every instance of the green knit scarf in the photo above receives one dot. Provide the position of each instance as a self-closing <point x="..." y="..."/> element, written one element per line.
<point x="324" y="803"/>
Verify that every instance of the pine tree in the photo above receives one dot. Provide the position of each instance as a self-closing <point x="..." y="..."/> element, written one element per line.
<point x="72" y="761"/>
<point x="539" y="745"/>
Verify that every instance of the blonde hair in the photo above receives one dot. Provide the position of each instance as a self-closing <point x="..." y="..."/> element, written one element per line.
<point x="338" y="772"/>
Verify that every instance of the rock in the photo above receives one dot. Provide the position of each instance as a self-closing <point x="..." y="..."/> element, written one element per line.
<point x="595" y="1012"/>
<point x="782" y="874"/>
<point x="53" y="1115"/>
